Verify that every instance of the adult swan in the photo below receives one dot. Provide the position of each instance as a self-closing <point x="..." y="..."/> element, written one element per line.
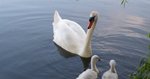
<point x="70" y="36"/>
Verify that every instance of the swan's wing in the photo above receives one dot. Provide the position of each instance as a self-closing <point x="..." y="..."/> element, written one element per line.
<point x="71" y="24"/>
<point x="88" y="74"/>
<point x="68" y="34"/>
<point x="75" y="27"/>
<point x="57" y="17"/>
<point x="65" y="37"/>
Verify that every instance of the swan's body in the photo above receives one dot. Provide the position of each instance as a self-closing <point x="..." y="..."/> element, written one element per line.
<point x="90" y="73"/>
<point x="70" y="36"/>
<point x="111" y="73"/>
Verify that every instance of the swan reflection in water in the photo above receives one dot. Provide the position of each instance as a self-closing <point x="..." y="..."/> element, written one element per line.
<point x="68" y="54"/>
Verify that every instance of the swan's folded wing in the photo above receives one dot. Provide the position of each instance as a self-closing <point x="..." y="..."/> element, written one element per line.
<point x="76" y="28"/>
<point x="57" y="17"/>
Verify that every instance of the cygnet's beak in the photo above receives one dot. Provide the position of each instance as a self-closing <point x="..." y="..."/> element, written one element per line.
<point x="99" y="60"/>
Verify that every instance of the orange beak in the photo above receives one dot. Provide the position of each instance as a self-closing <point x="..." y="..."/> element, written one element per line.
<point x="90" y="24"/>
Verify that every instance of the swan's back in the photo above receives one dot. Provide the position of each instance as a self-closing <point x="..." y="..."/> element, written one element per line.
<point x="68" y="34"/>
<point x="88" y="74"/>
<point x="76" y="28"/>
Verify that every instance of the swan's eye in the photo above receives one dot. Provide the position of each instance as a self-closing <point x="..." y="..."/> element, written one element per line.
<point x="98" y="59"/>
<point x="91" y="19"/>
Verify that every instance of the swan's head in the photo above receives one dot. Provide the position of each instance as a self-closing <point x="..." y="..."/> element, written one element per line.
<point x="93" y="18"/>
<point x="95" y="58"/>
<point x="112" y="63"/>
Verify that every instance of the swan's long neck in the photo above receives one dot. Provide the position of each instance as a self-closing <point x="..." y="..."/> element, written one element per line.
<point x="87" y="45"/>
<point x="89" y="34"/>
<point x="93" y="67"/>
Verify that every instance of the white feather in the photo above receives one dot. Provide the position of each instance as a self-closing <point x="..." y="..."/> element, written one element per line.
<point x="70" y="36"/>
<point x="111" y="73"/>
<point x="90" y="73"/>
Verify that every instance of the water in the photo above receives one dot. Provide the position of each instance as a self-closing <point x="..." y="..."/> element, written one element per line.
<point x="26" y="33"/>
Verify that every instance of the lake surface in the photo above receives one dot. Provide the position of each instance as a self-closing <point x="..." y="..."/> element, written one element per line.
<point x="26" y="33"/>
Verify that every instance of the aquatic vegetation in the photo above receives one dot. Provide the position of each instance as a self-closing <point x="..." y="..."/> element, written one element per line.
<point x="143" y="71"/>
<point x="148" y="35"/>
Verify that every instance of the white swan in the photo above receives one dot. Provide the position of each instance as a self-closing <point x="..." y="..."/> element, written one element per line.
<point x="70" y="36"/>
<point x="111" y="73"/>
<point x="90" y="73"/>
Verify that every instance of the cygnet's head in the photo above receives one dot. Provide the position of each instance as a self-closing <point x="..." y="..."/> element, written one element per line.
<point x="112" y="63"/>
<point x="95" y="58"/>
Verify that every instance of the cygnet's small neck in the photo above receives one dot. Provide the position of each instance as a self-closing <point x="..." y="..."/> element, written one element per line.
<point x="112" y="69"/>
<point x="93" y="66"/>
